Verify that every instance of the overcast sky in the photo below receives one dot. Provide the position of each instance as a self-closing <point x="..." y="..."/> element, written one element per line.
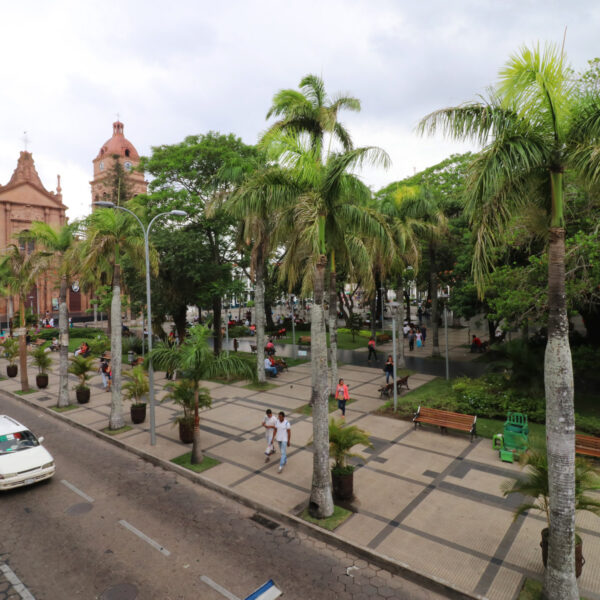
<point x="172" y="69"/>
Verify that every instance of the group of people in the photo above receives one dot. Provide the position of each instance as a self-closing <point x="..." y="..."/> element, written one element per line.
<point x="277" y="430"/>
<point x="415" y="335"/>
<point x="273" y="366"/>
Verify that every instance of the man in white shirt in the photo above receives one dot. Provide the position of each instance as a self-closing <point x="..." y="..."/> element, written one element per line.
<point x="269" y="423"/>
<point x="269" y="368"/>
<point x="282" y="436"/>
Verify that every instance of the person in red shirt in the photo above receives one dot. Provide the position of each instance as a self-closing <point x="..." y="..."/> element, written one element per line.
<point x="475" y="344"/>
<point x="371" y="347"/>
<point x="342" y="395"/>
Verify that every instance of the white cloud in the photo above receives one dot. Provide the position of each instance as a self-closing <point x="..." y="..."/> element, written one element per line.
<point x="186" y="67"/>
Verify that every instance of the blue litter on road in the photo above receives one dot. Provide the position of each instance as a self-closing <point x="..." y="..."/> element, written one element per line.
<point x="268" y="591"/>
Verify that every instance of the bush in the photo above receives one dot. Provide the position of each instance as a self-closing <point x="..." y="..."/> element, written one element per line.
<point x="489" y="397"/>
<point x="75" y="333"/>
<point x="588" y="424"/>
<point x="132" y="343"/>
<point x="99" y="345"/>
<point x="238" y="331"/>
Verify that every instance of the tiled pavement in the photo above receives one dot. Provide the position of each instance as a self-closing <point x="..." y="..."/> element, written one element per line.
<point x="429" y="502"/>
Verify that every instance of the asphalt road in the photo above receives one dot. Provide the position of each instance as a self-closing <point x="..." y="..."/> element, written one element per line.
<point x="113" y="527"/>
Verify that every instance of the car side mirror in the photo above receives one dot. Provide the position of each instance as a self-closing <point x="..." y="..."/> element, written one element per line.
<point x="41" y="439"/>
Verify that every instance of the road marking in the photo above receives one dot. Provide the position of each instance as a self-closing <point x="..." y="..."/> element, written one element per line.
<point x="76" y="490"/>
<point x="16" y="582"/>
<point x="218" y="588"/>
<point x="143" y="536"/>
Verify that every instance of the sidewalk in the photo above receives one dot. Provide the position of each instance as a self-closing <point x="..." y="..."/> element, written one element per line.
<point x="429" y="503"/>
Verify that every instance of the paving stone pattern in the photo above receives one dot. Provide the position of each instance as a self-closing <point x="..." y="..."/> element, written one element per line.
<point x="427" y="501"/>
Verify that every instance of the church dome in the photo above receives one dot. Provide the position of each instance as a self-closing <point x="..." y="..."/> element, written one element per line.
<point x="118" y="144"/>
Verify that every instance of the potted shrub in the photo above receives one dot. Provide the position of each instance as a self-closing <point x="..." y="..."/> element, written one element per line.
<point x="181" y="393"/>
<point x="82" y="368"/>
<point x="11" y="352"/>
<point x="342" y="438"/>
<point x="134" y="390"/>
<point x="41" y="359"/>
<point x="535" y="487"/>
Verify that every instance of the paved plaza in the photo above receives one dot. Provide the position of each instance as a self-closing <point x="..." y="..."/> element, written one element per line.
<point x="429" y="502"/>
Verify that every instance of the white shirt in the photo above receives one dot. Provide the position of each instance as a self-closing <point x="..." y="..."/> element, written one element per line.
<point x="268" y="364"/>
<point x="281" y="429"/>
<point x="270" y="422"/>
<point x="406" y="329"/>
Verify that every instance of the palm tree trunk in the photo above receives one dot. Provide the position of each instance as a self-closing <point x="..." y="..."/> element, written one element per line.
<point x="559" y="581"/>
<point x="116" y="420"/>
<point x="259" y="299"/>
<point x="218" y="334"/>
<point x="433" y="283"/>
<point x="374" y="315"/>
<point x="333" y="326"/>
<point x="196" y="458"/>
<point x="401" y="361"/>
<point x="23" y="349"/>
<point x="321" y="499"/>
<point x="63" y="344"/>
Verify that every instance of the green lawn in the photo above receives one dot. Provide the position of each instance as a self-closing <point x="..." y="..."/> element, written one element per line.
<point x="330" y="523"/>
<point x="61" y="409"/>
<point x="260" y="387"/>
<point x="345" y="341"/>
<point x="185" y="461"/>
<point x="123" y="429"/>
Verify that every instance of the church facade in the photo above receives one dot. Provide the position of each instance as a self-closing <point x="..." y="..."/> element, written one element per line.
<point x="24" y="199"/>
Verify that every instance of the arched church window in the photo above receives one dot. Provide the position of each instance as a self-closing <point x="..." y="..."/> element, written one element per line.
<point x="127" y="152"/>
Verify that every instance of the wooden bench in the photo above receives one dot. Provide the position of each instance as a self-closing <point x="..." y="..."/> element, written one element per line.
<point x="403" y="381"/>
<point x="587" y="444"/>
<point x="446" y="420"/>
<point x="304" y="339"/>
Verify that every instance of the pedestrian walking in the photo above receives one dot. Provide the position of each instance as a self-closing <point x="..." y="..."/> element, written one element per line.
<point x="411" y="339"/>
<point x="419" y="338"/>
<point x="389" y="368"/>
<point x="371" y="347"/>
<point x="342" y="396"/>
<point x="104" y="372"/>
<point x="269" y="423"/>
<point x="283" y="434"/>
<point x="420" y="314"/>
<point x="424" y="334"/>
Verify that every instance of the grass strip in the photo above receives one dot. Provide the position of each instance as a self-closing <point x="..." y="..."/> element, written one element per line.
<point x="330" y="523"/>
<point x="532" y="590"/>
<point x="26" y="392"/>
<point x="61" y="409"/>
<point x="117" y="431"/>
<point x="185" y="461"/>
<point x="306" y="409"/>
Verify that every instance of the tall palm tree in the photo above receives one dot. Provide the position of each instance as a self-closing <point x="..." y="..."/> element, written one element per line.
<point x="61" y="243"/>
<point x="21" y="270"/>
<point x="257" y="202"/>
<point x="533" y="127"/>
<point x="311" y="112"/>
<point x="197" y="362"/>
<point x="327" y="207"/>
<point x="109" y="235"/>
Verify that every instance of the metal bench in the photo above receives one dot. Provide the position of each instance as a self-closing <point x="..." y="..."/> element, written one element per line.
<point x="587" y="444"/>
<point x="446" y="420"/>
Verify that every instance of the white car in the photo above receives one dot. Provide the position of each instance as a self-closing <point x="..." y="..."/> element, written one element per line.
<point x="23" y="460"/>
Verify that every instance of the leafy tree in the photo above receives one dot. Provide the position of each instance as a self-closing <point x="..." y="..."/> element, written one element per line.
<point x="185" y="177"/>
<point x="535" y="125"/>
<point x="197" y="362"/>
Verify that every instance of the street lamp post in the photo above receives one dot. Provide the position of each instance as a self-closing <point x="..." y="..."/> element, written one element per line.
<point x="446" y="297"/>
<point x="382" y="308"/>
<point x="293" y="327"/>
<point x="177" y="213"/>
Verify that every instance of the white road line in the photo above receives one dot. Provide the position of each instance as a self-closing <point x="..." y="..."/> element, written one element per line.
<point x="145" y="537"/>
<point x="76" y="490"/>
<point x="218" y="588"/>
<point x="16" y="582"/>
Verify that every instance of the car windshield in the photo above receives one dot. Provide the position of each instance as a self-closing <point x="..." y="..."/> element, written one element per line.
<point x="13" y="442"/>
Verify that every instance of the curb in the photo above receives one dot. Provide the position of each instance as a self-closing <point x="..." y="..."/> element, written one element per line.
<point x="435" y="584"/>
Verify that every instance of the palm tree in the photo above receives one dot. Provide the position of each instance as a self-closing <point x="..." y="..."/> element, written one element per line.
<point x="533" y="127"/>
<point x="109" y="235"/>
<point x="61" y="242"/>
<point x="21" y="270"/>
<point x="329" y="205"/>
<point x="255" y="202"/>
<point x="197" y="362"/>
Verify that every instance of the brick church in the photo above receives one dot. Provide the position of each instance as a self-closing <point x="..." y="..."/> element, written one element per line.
<point x="24" y="199"/>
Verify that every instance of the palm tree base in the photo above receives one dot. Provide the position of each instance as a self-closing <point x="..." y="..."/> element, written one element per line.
<point x="579" y="560"/>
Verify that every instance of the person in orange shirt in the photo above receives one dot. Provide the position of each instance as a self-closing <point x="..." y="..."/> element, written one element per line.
<point x="342" y="395"/>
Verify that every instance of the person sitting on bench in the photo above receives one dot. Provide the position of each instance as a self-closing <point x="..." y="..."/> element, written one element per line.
<point x="83" y="350"/>
<point x="475" y="344"/>
<point x="269" y="368"/>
